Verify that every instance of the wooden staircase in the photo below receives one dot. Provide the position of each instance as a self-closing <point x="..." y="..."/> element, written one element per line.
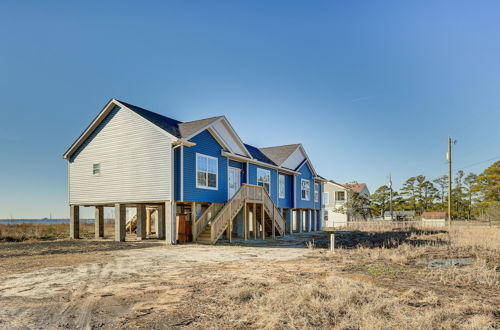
<point x="218" y="218"/>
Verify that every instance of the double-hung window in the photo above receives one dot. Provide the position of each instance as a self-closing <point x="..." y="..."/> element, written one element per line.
<point x="281" y="186"/>
<point x="206" y="172"/>
<point x="326" y="198"/>
<point x="305" y="190"/>
<point x="264" y="178"/>
<point x="316" y="192"/>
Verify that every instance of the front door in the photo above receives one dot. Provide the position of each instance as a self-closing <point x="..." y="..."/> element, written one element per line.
<point x="233" y="181"/>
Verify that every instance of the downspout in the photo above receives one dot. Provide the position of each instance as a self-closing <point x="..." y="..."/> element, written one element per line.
<point x="182" y="173"/>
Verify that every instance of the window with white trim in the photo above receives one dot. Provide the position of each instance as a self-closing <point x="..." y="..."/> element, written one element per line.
<point x="264" y="178"/>
<point x="96" y="169"/>
<point x="316" y="192"/>
<point x="305" y="190"/>
<point x="326" y="198"/>
<point x="281" y="186"/>
<point x="206" y="172"/>
<point x="340" y="195"/>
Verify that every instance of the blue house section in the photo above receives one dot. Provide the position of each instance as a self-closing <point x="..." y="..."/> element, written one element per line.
<point x="286" y="202"/>
<point x="305" y="174"/>
<point x="206" y="145"/>
<point x="252" y="178"/>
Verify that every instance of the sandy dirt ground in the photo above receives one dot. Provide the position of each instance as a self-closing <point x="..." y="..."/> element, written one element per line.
<point x="94" y="284"/>
<point x="88" y="284"/>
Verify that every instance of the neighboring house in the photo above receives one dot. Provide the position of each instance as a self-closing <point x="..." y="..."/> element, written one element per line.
<point x="334" y="197"/>
<point x="434" y="219"/>
<point x="199" y="177"/>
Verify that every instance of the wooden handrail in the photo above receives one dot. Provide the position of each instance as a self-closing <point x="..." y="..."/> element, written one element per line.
<point x="247" y="192"/>
<point x="201" y="223"/>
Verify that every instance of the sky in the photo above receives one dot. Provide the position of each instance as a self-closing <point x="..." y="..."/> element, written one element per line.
<point x="369" y="88"/>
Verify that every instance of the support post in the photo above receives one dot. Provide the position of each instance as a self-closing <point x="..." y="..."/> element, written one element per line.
<point x="245" y="224"/>
<point x="262" y="220"/>
<point x="120" y="213"/>
<point x="299" y="220"/>
<point x="169" y="215"/>
<point x="273" y="224"/>
<point x="99" y="221"/>
<point x="161" y="221"/>
<point x="148" y="221"/>
<point x="332" y="242"/>
<point x="254" y="219"/>
<point x="74" y="221"/>
<point x="309" y="220"/>
<point x="142" y="222"/>
<point x="289" y="218"/>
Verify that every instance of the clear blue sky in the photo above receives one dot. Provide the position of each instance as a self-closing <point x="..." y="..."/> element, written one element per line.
<point x="367" y="87"/>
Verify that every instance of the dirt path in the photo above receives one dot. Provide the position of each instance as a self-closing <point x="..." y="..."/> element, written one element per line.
<point x="111" y="288"/>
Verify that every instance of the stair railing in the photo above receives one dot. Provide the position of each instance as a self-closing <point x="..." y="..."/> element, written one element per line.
<point x="200" y="224"/>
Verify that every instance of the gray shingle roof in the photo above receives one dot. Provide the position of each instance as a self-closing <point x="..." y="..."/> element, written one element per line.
<point x="191" y="127"/>
<point x="257" y="154"/>
<point x="279" y="154"/>
<point x="167" y="124"/>
<point x="170" y="125"/>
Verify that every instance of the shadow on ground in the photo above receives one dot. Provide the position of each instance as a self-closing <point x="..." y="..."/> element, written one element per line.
<point x="39" y="248"/>
<point x="350" y="239"/>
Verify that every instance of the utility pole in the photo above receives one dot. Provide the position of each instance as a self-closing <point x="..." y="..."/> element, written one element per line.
<point x="448" y="156"/>
<point x="390" y="199"/>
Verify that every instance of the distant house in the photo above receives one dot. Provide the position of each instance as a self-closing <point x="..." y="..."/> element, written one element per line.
<point x="335" y="196"/>
<point x="434" y="219"/>
<point x="202" y="181"/>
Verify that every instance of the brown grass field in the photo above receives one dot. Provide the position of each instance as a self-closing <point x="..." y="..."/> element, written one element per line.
<point x="375" y="279"/>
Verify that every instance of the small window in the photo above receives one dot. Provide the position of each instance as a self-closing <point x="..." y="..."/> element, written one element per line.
<point x="316" y="192"/>
<point x="306" y="190"/>
<point x="340" y="195"/>
<point x="264" y="178"/>
<point x="281" y="186"/>
<point x="96" y="169"/>
<point x="326" y="198"/>
<point x="206" y="172"/>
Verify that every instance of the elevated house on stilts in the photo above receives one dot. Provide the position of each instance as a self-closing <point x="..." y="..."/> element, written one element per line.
<point x="198" y="179"/>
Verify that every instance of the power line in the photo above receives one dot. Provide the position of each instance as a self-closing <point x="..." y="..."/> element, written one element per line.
<point x="481" y="162"/>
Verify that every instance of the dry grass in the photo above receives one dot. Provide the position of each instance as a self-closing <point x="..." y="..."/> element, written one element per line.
<point x="30" y="231"/>
<point x="375" y="288"/>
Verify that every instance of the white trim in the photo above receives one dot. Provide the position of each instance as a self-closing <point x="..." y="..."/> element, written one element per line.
<point x="270" y="178"/>
<point x="327" y="194"/>
<point x="308" y="181"/>
<point x="294" y="191"/>
<point x="217" y="172"/>
<point x="231" y="131"/>
<point x="238" y="173"/>
<point x="181" y="150"/>
<point x="284" y="186"/>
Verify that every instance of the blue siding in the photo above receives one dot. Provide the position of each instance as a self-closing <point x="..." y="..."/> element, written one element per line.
<point x="288" y="200"/>
<point x="207" y="145"/>
<point x="252" y="177"/>
<point x="177" y="173"/>
<point x="305" y="173"/>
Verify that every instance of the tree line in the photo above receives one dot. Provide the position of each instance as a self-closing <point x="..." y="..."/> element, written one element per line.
<point x="472" y="196"/>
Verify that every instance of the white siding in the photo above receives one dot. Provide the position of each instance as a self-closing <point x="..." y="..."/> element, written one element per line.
<point x="135" y="158"/>
<point x="295" y="159"/>
<point x="225" y="133"/>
